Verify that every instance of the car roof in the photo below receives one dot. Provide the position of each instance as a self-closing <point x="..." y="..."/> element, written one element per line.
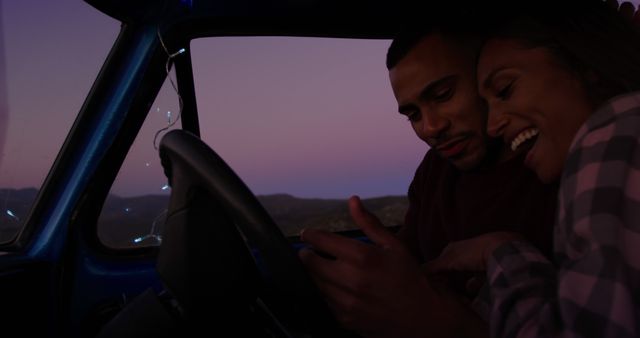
<point x="316" y="18"/>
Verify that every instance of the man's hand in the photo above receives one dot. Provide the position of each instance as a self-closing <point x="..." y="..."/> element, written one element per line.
<point x="377" y="290"/>
<point x="470" y="254"/>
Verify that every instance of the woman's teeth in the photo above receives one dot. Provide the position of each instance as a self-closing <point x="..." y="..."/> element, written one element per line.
<point x="523" y="136"/>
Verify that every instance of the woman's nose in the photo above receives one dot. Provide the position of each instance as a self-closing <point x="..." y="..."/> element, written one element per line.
<point x="496" y="124"/>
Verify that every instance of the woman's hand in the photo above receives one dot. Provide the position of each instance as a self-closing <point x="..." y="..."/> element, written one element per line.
<point x="470" y="254"/>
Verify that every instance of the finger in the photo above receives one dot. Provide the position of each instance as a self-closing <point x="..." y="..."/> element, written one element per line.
<point x="613" y="4"/>
<point x="436" y="266"/>
<point x="370" y="224"/>
<point x="442" y="262"/>
<point x="319" y="267"/>
<point x="626" y="10"/>
<point x="452" y="258"/>
<point x="332" y="244"/>
<point x="326" y="272"/>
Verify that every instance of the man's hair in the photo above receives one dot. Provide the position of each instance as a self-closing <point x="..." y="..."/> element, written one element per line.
<point x="403" y="43"/>
<point x="587" y="36"/>
<point x="456" y="24"/>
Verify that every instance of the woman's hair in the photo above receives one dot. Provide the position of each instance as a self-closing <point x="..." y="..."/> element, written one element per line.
<point x="589" y="38"/>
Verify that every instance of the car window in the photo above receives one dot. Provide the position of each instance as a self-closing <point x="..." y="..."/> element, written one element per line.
<point x="135" y="209"/>
<point x="46" y="71"/>
<point x="305" y="122"/>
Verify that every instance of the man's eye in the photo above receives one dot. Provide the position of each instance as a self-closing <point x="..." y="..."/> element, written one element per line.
<point x="413" y="116"/>
<point x="443" y="95"/>
<point x="505" y="92"/>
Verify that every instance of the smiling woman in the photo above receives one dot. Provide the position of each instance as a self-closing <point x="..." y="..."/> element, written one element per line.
<point x="573" y="76"/>
<point x="542" y="81"/>
<point x="529" y="93"/>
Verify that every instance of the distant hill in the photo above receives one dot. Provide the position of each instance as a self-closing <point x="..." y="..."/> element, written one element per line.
<point x="293" y="214"/>
<point x="124" y="219"/>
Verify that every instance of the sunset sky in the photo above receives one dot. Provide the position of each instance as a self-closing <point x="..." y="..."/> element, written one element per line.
<point x="308" y="117"/>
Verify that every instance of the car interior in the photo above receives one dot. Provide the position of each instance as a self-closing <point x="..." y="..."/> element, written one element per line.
<point x="223" y="266"/>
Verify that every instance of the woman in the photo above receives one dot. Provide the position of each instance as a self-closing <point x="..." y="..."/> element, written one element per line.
<point x="567" y="88"/>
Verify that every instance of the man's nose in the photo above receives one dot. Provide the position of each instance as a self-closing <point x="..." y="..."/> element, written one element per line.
<point x="434" y="125"/>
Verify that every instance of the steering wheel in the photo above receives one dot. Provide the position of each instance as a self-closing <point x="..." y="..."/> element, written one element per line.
<point x="213" y="223"/>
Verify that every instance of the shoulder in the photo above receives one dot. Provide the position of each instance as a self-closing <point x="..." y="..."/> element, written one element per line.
<point x="614" y="109"/>
<point x="611" y="135"/>
<point x="602" y="171"/>
<point x="600" y="187"/>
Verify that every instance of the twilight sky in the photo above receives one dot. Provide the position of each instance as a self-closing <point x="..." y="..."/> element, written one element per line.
<point x="309" y="117"/>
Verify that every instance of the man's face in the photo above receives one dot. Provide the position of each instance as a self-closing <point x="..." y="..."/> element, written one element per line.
<point x="435" y="86"/>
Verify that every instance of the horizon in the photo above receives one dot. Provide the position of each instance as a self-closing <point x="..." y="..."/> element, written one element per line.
<point x="310" y="117"/>
<point x="362" y="146"/>
<point x="3" y="189"/>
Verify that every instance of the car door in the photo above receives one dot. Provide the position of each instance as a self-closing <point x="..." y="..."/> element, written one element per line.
<point x="55" y="278"/>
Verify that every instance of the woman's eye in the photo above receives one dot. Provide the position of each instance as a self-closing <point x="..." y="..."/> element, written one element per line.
<point x="505" y="91"/>
<point x="443" y="95"/>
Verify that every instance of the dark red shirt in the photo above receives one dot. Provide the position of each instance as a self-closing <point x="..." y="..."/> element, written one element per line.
<point x="447" y="205"/>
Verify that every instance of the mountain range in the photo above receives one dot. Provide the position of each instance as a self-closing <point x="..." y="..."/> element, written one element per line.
<point x="125" y="221"/>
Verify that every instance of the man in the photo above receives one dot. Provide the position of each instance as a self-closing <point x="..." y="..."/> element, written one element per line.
<point x="466" y="185"/>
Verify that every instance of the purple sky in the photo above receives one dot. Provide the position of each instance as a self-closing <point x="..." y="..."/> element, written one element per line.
<point x="314" y="115"/>
<point x="3" y="97"/>
<point x="309" y="117"/>
<point x="54" y="50"/>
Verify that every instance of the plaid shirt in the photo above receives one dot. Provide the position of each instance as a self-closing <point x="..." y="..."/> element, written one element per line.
<point x="593" y="289"/>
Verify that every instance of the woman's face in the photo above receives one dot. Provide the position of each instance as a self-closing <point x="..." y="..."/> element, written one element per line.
<point x="535" y="104"/>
